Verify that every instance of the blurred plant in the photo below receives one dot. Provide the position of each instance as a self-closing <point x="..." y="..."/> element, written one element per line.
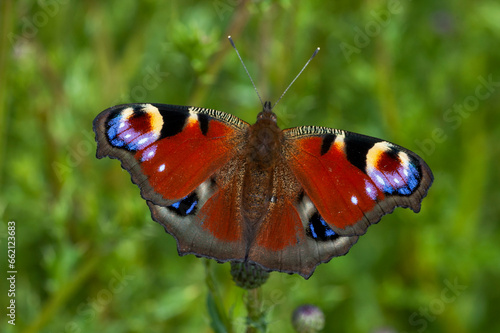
<point x="249" y="277"/>
<point x="308" y="319"/>
<point x="220" y="321"/>
<point x="91" y="55"/>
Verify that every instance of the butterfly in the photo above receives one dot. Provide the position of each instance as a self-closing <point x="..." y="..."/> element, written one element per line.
<point x="286" y="200"/>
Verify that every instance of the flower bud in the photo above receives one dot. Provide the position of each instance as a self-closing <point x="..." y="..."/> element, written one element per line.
<point x="308" y="319"/>
<point x="247" y="275"/>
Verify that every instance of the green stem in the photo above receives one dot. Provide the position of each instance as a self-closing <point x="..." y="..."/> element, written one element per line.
<point x="220" y="316"/>
<point x="255" y="315"/>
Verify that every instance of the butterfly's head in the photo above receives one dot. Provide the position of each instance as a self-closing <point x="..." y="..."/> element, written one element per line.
<point x="267" y="113"/>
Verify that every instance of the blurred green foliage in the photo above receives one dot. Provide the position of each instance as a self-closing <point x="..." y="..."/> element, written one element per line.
<point x="89" y="257"/>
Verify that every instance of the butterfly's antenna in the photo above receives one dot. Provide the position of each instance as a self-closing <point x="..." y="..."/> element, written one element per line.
<point x="245" y="67"/>
<point x="307" y="63"/>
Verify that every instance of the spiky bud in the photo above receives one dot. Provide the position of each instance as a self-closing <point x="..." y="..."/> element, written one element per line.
<point x="247" y="275"/>
<point x="308" y="319"/>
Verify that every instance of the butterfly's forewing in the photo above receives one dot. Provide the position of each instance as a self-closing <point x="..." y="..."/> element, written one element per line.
<point x="180" y="159"/>
<point x="169" y="150"/>
<point x="353" y="179"/>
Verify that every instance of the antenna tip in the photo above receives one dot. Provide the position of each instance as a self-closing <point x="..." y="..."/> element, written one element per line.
<point x="231" y="41"/>
<point x="314" y="54"/>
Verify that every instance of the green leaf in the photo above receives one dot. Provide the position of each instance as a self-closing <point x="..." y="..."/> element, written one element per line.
<point x="216" y="321"/>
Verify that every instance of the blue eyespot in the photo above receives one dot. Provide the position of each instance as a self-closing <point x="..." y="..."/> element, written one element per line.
<point x="121" y="134"/>
<point x="186" y="206"/>
<point x="117" y="143"/>
<point x="190" y="209"/>
<point x="319" y="229"/>
<point x="411" y="182"/>
<point x="402" y="181"/>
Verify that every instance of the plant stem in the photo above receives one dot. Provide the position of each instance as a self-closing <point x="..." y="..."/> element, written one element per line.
<point x="221" y="317"/>
<point x="255" y="320"/>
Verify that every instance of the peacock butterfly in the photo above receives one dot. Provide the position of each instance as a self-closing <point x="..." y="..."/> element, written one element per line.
<point x="287" y="200"/>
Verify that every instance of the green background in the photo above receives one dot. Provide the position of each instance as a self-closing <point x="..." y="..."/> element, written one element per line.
<point x="88" y="256"/>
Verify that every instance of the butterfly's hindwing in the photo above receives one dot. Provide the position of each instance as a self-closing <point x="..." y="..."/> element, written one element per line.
<point x="196" y="231"/>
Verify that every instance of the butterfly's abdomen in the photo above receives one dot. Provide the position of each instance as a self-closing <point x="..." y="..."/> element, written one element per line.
<point x="257" y="193"/>
<point x="262" y="154"/>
